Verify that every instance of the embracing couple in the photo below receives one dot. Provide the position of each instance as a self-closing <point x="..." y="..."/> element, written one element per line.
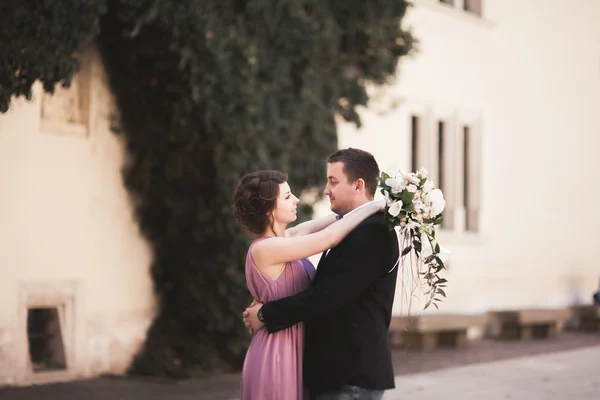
<point x="318" y="334"/>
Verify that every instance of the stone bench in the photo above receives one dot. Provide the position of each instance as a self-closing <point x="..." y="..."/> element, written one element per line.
<point x="425" y="332"/>
<point x="584" y="318"/>
<point x="525" y="324"/>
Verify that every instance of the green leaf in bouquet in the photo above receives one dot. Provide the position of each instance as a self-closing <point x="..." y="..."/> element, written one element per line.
<point x="384" y="176"/>
<point x="383" y="186"/>
<point x="417" y="245"/>
<point x="406" y="250"/>
<point x="437" y="248"/>
<point x="407" y="197"/>
<point x="422" y="182"/>
<point x="429" y="275"/>
<point x="441" y="280"/>
<point x="440" y="291"/>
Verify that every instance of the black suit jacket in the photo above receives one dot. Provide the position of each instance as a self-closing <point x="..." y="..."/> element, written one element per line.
<point x="347" y="311"/>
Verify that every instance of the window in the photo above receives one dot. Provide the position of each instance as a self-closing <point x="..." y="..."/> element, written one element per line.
<point x="440" y="155"/>
<point x="444" y="169"/>
<point x="447" y="142"/>
<point x="469" y="182"/>
<point x="415" y="143"/>
<point x="66" y="112"/>
<point x="472" y="6"/>
<point x="46" y="349"/>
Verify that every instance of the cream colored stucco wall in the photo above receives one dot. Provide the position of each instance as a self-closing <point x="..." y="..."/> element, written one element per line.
<point x="68" y="236"/>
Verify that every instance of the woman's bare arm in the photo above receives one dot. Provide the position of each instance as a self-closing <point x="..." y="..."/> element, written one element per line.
<point x="312" y="226"/>
<point x="278" y="250"/>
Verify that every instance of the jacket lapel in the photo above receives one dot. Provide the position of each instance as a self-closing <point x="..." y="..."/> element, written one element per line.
<point x="324" y="262"/>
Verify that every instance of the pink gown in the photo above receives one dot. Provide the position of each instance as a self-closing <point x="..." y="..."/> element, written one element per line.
<point x="273" y="365"/>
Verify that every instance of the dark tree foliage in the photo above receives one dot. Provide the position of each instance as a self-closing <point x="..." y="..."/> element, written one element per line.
<point x="39" y="40"/>
<point x="208" y="90"/>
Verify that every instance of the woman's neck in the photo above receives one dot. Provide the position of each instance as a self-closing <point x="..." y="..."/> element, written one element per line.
<point x="277" y="230"/>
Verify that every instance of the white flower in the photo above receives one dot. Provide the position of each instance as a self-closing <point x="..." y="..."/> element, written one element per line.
<point x="413" y="225"/>
<point x="386" y="196"/>
<point x="412" y="188"/>
<point x="436" y="198"/>
<point x="419" y="206"/>
<point x="438" y="207"/>
<point x="435" y="194"/>
<point x="410" y="178"/>
<point x="427" y="186"/>
<point x="422" y="173"/>
<point x="395" y="208"/>
<point x="396" y="185"/>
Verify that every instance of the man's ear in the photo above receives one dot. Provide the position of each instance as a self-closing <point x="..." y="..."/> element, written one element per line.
<point x="360" y="185"/>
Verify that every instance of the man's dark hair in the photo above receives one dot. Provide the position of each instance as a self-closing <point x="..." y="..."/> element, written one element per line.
<point x="358" y="164"/>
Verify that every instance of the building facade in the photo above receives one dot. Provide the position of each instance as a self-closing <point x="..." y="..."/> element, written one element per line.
<point x="75" y="290"/>
<point x="500" y="104"/>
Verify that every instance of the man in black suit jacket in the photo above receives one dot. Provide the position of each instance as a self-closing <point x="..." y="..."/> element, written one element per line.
<point x="347" y="309"/>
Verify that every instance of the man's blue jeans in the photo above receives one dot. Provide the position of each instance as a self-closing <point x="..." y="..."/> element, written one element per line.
<point x="351" y="393"/>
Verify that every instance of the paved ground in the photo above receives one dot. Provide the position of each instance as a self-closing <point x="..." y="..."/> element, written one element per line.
<point x="524" y="370"/>
<point x="556" y="376"/>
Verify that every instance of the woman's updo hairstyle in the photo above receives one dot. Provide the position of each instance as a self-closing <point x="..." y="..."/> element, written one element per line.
<point x="255" y="197"/>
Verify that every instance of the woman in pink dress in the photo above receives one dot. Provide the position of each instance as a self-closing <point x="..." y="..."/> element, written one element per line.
<point x="277" y="267"/>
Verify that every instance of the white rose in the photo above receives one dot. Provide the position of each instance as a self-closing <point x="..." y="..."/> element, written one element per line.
<point x="435" y="194"/>
<point x="411" y="188"/>
<point x="438" y="207"/>
<point x="436" y="198"/>
<point x="396" y="185"/>
<point x="395" y="208"/>
<point x="427" y="186"/>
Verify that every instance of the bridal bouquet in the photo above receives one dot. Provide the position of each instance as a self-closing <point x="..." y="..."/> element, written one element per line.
<point x="414" y="205"/>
